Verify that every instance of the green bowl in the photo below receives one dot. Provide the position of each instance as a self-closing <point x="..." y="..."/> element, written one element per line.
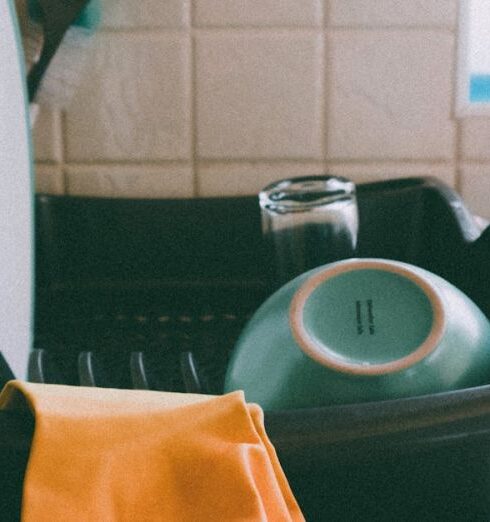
<point x="360" y="330"/>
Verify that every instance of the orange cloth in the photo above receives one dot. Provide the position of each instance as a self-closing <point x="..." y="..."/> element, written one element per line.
<point x="129" y="455"/>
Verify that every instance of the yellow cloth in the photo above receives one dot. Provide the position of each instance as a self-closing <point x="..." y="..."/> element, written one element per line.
<point x="129" y="455"/>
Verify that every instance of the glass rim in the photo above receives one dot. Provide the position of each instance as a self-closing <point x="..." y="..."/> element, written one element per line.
<point x="306" y="193"/>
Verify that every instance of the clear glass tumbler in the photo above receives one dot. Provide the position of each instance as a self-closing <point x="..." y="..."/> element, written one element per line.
<point x="307" y="222"/>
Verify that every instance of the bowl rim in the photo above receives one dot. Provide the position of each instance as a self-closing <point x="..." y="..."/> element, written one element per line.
<point x="328" y="357"/>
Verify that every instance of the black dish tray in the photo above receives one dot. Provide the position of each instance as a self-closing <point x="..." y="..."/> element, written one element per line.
<point x="136" y="293"/>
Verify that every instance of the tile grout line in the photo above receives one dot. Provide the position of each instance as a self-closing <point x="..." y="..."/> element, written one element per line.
<point x="266" y="161"/>
<point x="458" y="182"/>
<point x="457" y="155"/>
<point x="64" y="149"/>
<point x="326" y="79"/>
<point x="193" y="101"/>
<point x="196" y="29"/>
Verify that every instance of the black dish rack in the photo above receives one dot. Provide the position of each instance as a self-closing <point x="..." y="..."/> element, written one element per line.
<point x="153" y="294"/>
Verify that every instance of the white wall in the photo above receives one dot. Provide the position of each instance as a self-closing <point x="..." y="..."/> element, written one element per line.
<point x="212" y="97"/>
<point x="479" y="37"/>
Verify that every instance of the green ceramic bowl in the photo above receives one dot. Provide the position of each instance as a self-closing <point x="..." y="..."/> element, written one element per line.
<point x="360" y="330"/>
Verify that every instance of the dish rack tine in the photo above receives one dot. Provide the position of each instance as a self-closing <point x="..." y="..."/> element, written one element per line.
<point x="42" y="369"/>
<point x="190" y="376"/>
<point x="138" y="371"/>
<point x="145" y="375"/>
<point x="89" y="371"/>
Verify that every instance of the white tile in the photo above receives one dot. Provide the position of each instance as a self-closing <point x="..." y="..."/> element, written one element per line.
<point x="135" y="101"/>
<point x="378" y="13"/>
<point x="390" y="95"/>
<point x="260" y="95"/>
<point x="369" y="172"/>
<point x="246" y="13"/>
<point x="130" y="181"/>
<point x="475" y="138"/>
<point x="49" y="179"/>
<point x="238" y="179"/>
<point x="47" y="136"/>
<point x="475" y="188"/>
<point x="118" y="14"/>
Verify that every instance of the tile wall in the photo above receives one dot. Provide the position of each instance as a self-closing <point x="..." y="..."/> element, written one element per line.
<point x="189" y="98"/>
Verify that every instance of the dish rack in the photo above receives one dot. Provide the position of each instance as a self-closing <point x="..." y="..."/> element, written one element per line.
<point x="154" y="293"/>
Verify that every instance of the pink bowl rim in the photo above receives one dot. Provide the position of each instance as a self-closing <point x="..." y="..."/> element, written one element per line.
<point x="327" y="357"/>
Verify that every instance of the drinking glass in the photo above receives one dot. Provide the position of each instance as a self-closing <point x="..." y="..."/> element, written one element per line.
<point x="307" y="222"/>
